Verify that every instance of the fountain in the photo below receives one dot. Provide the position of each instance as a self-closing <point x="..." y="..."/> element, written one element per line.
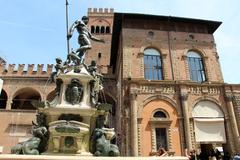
<point x="73" y="125"/>
<point x="74" y="122"/>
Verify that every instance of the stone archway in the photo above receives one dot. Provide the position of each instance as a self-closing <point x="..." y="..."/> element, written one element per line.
<point x="23" y="98"/>
<point x="209" y="125"/>
<point x="152" y="124"/>
<point x="3" y="100"/>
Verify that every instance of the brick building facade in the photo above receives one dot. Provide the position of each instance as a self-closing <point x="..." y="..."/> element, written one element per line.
<point x="172" y="90"/>
<point x="162" y="75"/>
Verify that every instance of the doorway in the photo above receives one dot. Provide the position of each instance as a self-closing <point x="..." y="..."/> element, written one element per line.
<point x="206" y="150"/>
<point x="161" y="138"/>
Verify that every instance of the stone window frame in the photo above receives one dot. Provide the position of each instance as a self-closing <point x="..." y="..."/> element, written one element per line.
<point x="204" y="60"/>
<point x="196" y="67"/>
<point x="165" y="115"/>
<point x="165" y="123"/>
<point x="163" y="57"/>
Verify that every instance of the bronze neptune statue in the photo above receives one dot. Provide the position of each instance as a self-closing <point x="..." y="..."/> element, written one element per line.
<point x="78" y="56"/>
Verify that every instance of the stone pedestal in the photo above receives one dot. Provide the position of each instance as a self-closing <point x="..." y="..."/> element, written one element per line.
<point x="72" y="139"/>
<point x="83" y="78"/>
<point x="72" y="118"/>
<point x="73" y="123"/>
<point x="79" y="132"/>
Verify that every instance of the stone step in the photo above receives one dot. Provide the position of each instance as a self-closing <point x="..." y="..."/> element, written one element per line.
<point x="47" y="157"/>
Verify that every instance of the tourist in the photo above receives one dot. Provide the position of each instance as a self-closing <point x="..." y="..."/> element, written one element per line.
<point x="191" y="155"/>
<point x="226" y="156"/>
<point x="236" y="157"/>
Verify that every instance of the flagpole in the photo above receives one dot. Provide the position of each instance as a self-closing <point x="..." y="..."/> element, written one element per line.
<point x="67" y="26"/>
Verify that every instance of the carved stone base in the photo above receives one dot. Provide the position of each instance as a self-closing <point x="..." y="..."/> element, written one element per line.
<point x="68" y="137"/>
<point x="74" y="157"/>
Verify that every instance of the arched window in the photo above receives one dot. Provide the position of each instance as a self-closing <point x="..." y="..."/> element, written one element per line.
<point x="161" y="123"/>
<point x="107" y="29"/>
<point x="97" y="29"/>
<point x="196" y="68"/>
<point x="209" y="125"/>
<point x="159" y="114"/>
<point x="3" y="99"/>
<point x="102" y="29"/>
<point x="152" y="65"/>
<point x="92" y="29"/>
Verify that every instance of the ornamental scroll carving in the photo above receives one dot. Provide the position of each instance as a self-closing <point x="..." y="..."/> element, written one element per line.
<point x="166" y="89"/>
<point x="212" y="90"/>
<point x="236" y="100"/>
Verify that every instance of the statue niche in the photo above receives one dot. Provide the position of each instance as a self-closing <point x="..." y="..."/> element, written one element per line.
<point x="74" y="92"/>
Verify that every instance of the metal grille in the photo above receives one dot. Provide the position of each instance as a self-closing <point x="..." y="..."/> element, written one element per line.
<point x="153" y="67"/>
<point x="196" y="69"/>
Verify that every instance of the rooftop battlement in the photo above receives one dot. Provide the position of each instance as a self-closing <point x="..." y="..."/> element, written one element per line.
<point x="30" y="70"/>
<point x="100" y="10"/>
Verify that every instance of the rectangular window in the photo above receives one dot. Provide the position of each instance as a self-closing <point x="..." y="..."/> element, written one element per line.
<point x="161" y="138"/>
<point x="152" y="67"/>
<point x="196" y="69"/>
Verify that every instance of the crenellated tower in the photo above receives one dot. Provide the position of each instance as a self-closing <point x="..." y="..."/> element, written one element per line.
<point x="100" y="25"/>
<point x="31" y="70"/>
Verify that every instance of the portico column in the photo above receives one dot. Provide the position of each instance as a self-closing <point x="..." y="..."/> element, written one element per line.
<point x="184" y="97"/>
<point x="9" y="103"/>
<point x="134" y="129"/>
<point x="233" y="121"/>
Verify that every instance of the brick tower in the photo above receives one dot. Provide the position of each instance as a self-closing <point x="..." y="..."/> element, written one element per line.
<point x="100" y="24"/>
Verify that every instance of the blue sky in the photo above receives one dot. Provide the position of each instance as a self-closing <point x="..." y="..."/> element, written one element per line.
<point x="34" y="31"/>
